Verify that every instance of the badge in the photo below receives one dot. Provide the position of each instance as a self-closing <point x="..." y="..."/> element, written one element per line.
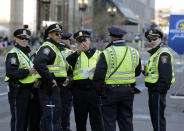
<point x="164" y="59"/>
<point x="46" y="51"/>
<point x="80" y="33"/>
<point x="57" y="26"/>
<point x="150" y="32"/>
<point x="24" y="32"/>
<point x="13" y="60"/>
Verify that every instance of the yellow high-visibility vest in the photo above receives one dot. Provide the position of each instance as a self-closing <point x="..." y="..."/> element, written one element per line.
<point x="126" y="72"/>
<point x="59" y="68"/>
<point x="151" y="72"/>
<point x="66" y="52"/>
<point x="25" y="63"/>
<point x="84" y="64"/>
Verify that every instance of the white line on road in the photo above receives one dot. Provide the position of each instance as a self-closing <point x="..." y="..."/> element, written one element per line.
<point x="141" y="116"/>
<point x="3" y="93"/>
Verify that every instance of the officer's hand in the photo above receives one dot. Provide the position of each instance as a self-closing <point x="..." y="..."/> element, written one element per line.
<point x="32" y="70"/>
<point x="81" y="48"/>
<point x="54" y="83"/>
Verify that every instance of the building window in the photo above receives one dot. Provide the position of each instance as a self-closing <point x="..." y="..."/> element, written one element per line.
<point x="59" y="13"/>
<point x="46" y="9"/>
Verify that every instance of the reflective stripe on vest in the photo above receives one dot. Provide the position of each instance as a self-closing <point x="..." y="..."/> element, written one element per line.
<point x="25" y="63"/>
<point x="60" y="66"/>
<point x="126" y="72"/>
<point x="152" y="74"/>
<point x="84" y="64"/>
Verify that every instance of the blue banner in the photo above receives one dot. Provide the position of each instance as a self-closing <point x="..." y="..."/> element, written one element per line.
<point x="176" y="33"/>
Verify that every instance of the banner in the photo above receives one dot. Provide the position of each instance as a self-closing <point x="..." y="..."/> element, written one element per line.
<point x="176" y="33"/>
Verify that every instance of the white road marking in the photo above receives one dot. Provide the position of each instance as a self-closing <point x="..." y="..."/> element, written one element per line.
<point x="141" y="116"/>
<point x="3" y="93"/>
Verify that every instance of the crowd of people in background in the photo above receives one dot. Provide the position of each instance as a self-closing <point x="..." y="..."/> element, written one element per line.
<point x="4" y="43"/>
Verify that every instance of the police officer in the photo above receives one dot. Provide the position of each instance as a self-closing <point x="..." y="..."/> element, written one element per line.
<point x="66" y="37"/>
<point x="35" y="108"/>
<point x="118" y="66"/>
<point x="159" y="76"/>
<point x="65" y="92"/>
<point x="85" y="98"/>
<point x="19" y="73"/>
<point x="51" y="67"/>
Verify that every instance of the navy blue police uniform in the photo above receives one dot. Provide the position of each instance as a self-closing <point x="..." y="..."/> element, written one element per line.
<point x="19" y="95"/>
<point x="85" y="98"/>
<point x="65" y="92"/>
<point x="157" y="91"/>
<point x="35" y="108"/>
<point x="49" y="96"/>
<point x="117" y="99"/>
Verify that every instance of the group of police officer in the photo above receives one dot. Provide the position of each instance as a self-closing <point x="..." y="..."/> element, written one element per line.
<point x="102" y="84"/>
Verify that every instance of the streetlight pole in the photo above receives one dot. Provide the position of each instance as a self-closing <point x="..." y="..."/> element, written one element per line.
<point x="140" y="28"/>
<point x="112" y="12"/>
<point x="82" y="7"/>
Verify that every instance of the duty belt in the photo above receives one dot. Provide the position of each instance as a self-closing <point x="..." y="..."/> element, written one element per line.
<point x="118" y="85"/>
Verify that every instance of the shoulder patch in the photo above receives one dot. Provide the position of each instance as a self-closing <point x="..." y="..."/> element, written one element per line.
<point x="46" y="51"/>
<point x="164" y="59"/>
<point x="13" y="60"/>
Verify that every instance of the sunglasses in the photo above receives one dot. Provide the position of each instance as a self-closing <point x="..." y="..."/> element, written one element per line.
<point x="153" y="39"/>
<point x="82" y="40"/>
<point x="58" y="34"/>
<point x="23" y="38"/>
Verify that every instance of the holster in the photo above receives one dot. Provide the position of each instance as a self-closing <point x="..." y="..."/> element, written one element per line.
<point x="105" y="91"/>
<point x="37" y="83"/>
<point x="14" y="88"/>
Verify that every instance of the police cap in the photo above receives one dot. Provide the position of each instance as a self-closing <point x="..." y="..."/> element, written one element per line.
<point x="22" y="33"/>
<point x="152" y="33"/>
<point x="81" y="35"/>
<point x="54" y="28"/>
<point x="116" y="32"/>
<point x="66" y="36"/>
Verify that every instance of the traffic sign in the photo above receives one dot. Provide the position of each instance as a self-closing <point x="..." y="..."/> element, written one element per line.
<point x="176" y="33"/>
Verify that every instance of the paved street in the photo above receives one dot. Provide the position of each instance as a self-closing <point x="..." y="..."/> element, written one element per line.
<point x="142" y="122"/>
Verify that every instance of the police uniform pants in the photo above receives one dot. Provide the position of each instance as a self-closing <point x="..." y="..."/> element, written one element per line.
<point x="19" y="108"/>
<point x="66" y="107"/>
<point x="50" y="106"/>
<point x="84" y="102"/>
<point x="118" y="106"/>
<point x="35" y="111"/>
<point x="157" y="105"/>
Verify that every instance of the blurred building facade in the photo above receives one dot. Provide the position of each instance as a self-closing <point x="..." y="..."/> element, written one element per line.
<point x="132" y="15"/>
<point x="162" y="17"/>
